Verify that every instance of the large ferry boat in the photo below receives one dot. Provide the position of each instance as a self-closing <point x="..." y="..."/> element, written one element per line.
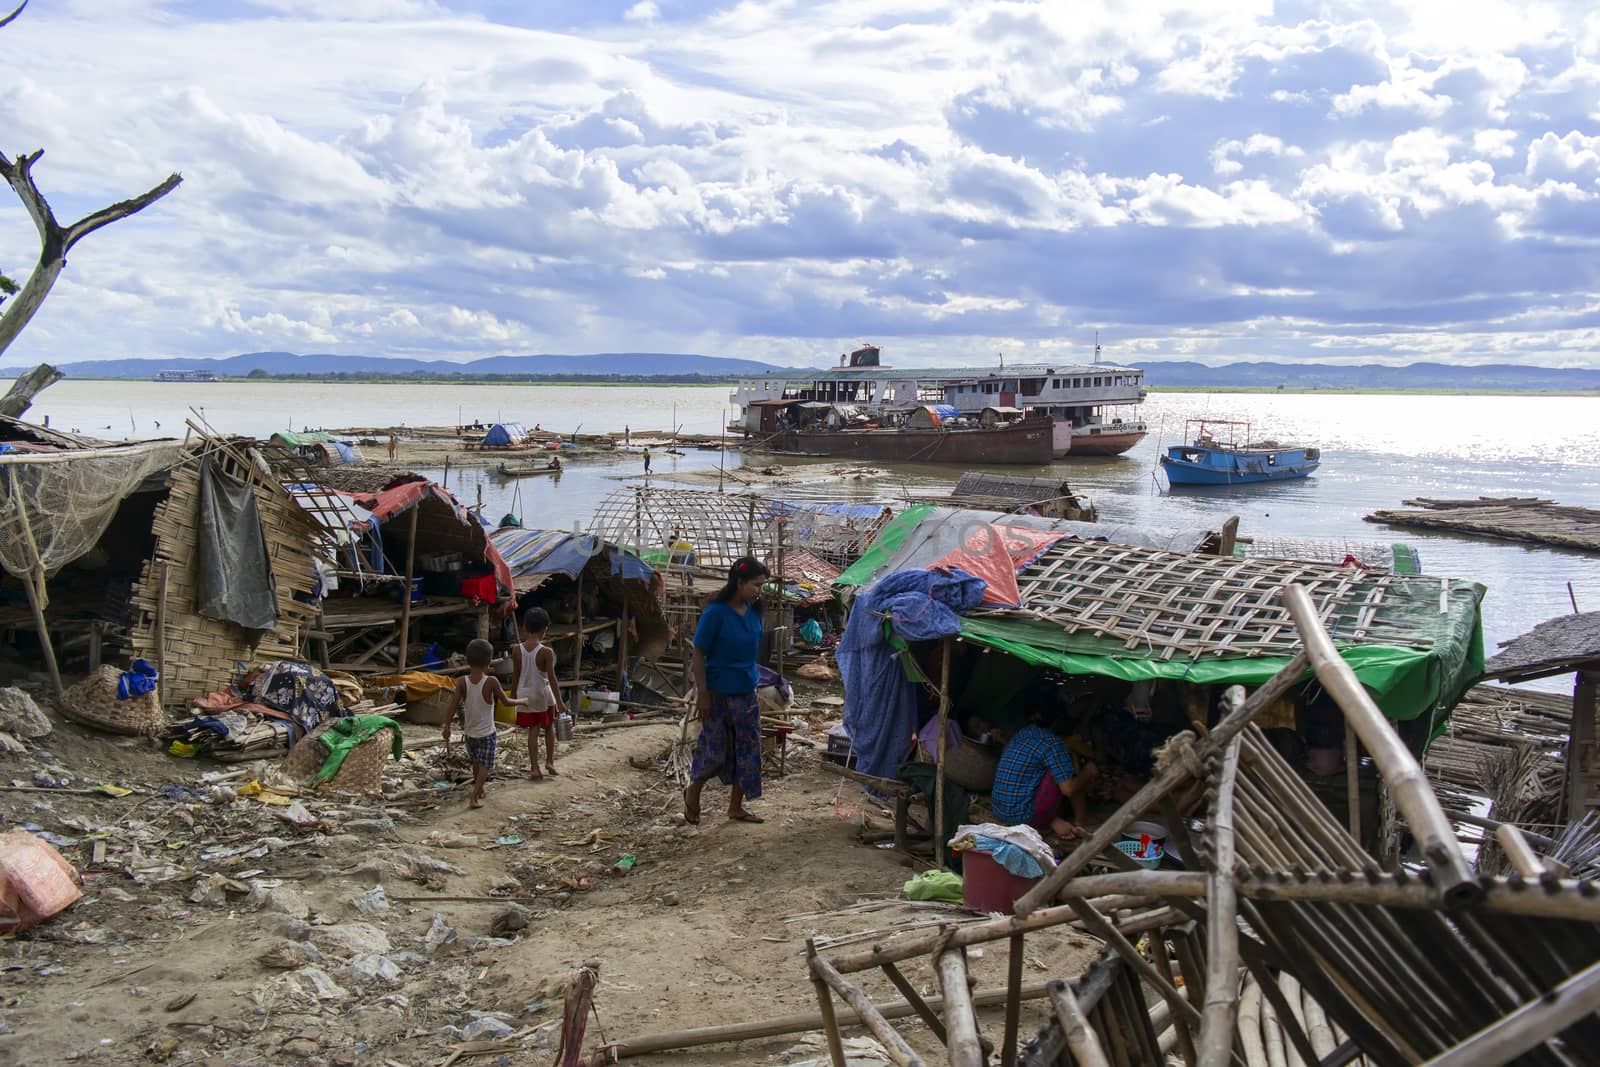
<point x="1092" y="409"/>
<point x="186" y="376"/>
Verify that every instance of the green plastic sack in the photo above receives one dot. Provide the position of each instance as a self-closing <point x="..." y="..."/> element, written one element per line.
<point x="941" y="886"/>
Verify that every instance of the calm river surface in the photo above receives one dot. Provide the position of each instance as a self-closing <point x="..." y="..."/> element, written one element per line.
<point x="1377" y="451"/>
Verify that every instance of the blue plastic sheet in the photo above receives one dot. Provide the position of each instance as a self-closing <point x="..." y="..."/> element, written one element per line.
<point x="880" y="709"/>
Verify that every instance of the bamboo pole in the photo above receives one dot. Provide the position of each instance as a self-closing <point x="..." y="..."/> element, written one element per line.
<point x="929" y="1018"/>
<point x="1081" y="1038"/>
<point x="405" y="596"/>
<point x="1161" y="962"/>
<point x="1250" y="1026"/>
<point x="36" y="605"/>
<point x="887" y="1036"/>
<point x="161" y="628"/>
<point x="960" y="1019"/>
<point x="1176" y="774"/>
<point x="1008" y="1044"/>
<point x="1523" y="859"/>
<point x="1401" y="773"/>
<point x="1222" y="926"/>
<point x="1530" y="1025"/>
<point x="1352" y="780"/>
<point x="830" y="1024"/>
<point x="577" y="656"/>
<point x="1271" y="1032"/>
<point x="938" y="771"/>
<point x="787" y="1024"/>
<point x="1101" y="927"/>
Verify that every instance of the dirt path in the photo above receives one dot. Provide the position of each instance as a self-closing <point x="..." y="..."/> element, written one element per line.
<point x="693" y="936"/>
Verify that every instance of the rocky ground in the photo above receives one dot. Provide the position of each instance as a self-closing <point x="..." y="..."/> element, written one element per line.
<point x="224" y="926"/>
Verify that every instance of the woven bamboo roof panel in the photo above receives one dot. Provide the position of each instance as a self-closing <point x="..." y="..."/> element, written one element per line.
<point x="1192" y="605"/>
<point x="1565" y="642"/>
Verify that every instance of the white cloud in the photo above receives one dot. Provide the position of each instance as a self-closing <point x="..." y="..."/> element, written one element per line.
<point x="1202" y="175"/>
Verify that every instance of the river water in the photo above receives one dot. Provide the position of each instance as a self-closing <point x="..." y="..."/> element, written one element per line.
<point x="1377" y="451"/>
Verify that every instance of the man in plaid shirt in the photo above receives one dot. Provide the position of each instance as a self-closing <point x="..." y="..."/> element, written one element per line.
<point x="1036" y="771"/>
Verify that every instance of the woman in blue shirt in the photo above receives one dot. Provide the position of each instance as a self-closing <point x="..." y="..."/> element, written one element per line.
<point x="726" y="644"/>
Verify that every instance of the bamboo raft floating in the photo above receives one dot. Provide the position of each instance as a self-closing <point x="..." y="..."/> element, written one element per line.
<point x="1506" y="518"/>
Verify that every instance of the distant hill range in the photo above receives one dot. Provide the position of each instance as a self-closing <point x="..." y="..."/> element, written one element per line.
<point x="1299" y="377"/>
<point x="285" y="364"/>
<point x="1292" y="377"/>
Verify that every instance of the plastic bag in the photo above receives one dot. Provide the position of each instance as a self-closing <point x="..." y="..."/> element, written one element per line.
<point x="811" y="632"/>
<point x="36" y="882"/>
<point x="941" y="886"/>
<point x="137" y="680"/>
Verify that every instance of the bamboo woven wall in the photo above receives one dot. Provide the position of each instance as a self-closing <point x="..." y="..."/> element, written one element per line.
<point x="200" y="653"/>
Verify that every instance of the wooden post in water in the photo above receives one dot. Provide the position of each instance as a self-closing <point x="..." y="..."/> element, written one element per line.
<point x="405" y="596"/>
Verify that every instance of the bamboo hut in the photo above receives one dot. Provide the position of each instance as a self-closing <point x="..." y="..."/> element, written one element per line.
<point x="106" y="544"/>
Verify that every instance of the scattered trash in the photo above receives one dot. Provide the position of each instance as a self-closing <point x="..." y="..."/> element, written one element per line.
<point x="372" y="901"/>
<point x="181" y="1001"/>
<point x="448" y="839"/>
<point x="508" y="839"/>
<point x="942" y="886"/>
<point x="625" y="864"/>
<point x="298" y="814"/>
<point x="487" y="1027"/>
<point x="317" y="984"/>
<point x="366" y="968"/>
<point x="440" y="933"/>
<point x="36" y="881"/>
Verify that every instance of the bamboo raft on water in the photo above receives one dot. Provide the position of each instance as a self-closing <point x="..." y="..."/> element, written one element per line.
<point x="1531" y="519"/>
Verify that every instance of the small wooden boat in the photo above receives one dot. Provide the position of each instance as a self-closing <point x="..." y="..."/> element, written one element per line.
<point x="524" y="470"/>
<point x="1211" y="460"/>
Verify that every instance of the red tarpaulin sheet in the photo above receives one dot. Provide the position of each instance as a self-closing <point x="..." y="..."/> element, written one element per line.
<point x="397" y="499"/>
<point x="995" y="554"/>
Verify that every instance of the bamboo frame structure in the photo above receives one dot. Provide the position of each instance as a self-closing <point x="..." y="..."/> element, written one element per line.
<point x="1344" y="960"/>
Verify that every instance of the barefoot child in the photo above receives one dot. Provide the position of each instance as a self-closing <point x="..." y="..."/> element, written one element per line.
<point x="475" y="695"/>
<point x="534" y="679"/>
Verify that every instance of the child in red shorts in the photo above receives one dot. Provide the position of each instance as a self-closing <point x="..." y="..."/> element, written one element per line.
<point x="533" y="678"/>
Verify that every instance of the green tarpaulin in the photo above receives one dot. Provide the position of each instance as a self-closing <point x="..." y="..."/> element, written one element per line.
<point x="1406" y="681"/>
<point x="884" y="547"/>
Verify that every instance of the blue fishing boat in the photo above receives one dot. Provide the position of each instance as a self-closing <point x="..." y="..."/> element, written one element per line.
<point x="1221" y="453"/>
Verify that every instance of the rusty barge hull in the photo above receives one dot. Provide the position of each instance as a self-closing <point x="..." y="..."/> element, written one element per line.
<point x="1023" y="443"/>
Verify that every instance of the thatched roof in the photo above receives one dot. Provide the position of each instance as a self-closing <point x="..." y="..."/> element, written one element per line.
<point x="1556" y="646"/>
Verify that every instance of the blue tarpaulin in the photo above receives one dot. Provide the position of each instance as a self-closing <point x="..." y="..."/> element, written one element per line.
<point x="880" y="710"/>
<point x="502" y="434"/>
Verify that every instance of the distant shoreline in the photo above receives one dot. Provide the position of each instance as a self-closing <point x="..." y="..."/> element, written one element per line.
<point x="669" y="381"/>
<point x="1348" y="391"/>
<point x="664" y="381"/>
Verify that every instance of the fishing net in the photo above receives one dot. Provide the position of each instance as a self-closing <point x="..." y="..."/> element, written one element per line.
<point x="55" y="506"/>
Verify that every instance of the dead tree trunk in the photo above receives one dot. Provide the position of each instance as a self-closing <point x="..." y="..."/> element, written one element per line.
<point x="55" y="240"/>
<point x="20" y="396"/>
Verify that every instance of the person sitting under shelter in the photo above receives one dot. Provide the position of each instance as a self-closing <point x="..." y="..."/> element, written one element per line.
<point x="1037" y="771"/>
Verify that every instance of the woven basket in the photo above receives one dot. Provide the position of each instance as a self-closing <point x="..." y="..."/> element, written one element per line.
<point x="969" y="765"/>
<point x="361" y="771"/>
<point x="93" y="702"/>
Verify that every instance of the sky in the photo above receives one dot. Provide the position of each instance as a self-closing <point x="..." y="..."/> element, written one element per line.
<point x="1215" y="180"/>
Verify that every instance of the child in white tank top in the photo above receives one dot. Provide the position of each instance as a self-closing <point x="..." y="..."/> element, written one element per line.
<point x="475" y="698"/>
<point x="534" y="680"/>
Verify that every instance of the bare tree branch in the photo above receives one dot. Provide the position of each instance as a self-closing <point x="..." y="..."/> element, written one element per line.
<point x="14" y="14"/>
<point x="55" y="240"/>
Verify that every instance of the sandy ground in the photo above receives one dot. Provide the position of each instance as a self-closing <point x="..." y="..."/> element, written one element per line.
<point x="162" y="962"/>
